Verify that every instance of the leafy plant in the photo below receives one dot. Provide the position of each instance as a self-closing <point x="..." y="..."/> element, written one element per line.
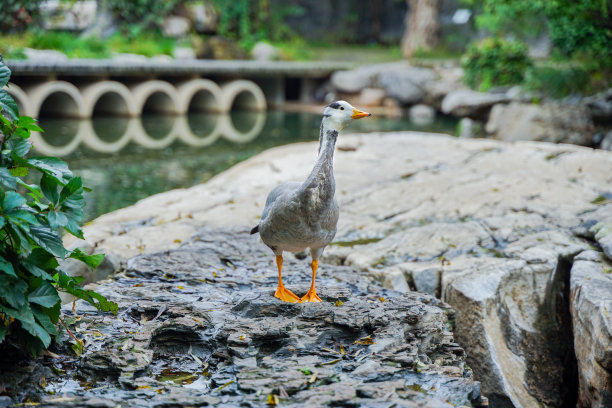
<point x="18" y="14"/>
<point x="137" y="16"/>
<point x="250" y="21"/>
<point x="495" y="61"/>
<point x="30" y="217"/>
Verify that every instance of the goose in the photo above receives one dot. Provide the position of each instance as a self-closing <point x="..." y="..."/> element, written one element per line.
<point x="301" y="215"/>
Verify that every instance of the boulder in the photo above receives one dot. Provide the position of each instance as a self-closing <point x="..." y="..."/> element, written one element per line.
<point x="184" y="53"/>
<point x="44" y="55"/>
<point x="493" y="228"/>
<point x="371" y="96"/>
<point x="606" y="141"/>
<point x="263" y="51"/>
<point x="217" y="47"/>
<point x="550" y="122"/>
<point x="200" y="325"/>
<point x="591" y="302"/>
<point x="72" y="16"/>
<point x="469" y="128"/>
<point x="353" y="81"/>
<point x="176" y="26"/>
<point x="203" y="16"/>
<point x="600" y="106"/>
<point x="422" y="114"/>
<point x="472" y="104"/>
<point x="405" y="84"/>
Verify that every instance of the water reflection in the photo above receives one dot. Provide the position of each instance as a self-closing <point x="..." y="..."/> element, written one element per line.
<point x="124" y="160"/>
<point x="112" y="134"/>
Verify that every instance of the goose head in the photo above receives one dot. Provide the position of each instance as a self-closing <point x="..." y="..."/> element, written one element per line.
<point x="337" y="115"/>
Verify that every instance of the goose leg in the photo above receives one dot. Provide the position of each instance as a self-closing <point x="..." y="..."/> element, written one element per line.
<point x="311" y="295"/>
<point x="283" y="293"/>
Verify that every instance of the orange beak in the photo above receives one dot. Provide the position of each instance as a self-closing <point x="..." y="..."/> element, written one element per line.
<point x="357" y="114"/>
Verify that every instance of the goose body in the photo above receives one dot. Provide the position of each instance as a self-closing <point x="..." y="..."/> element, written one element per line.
<point x="299" y="216"/>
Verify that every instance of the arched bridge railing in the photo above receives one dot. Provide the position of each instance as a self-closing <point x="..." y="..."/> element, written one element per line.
<point x="61" y="98"/>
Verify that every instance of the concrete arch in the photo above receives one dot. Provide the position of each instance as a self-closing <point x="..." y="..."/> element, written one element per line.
<point x="200" y="95"/>
<point x="230" y="132"/>
<point x="20" y="97"/>
<point x="160" y="96"/>
<point x="186" y="135"/>
<point x="244" y="94"/>
<point x="109" y="97"/>
<point x="65" y="99"/>
<point x="140" y="136"/>
<point x="41" y="146"/>
<point x="92" y="140"/>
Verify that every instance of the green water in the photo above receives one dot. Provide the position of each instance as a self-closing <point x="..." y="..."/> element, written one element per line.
<point x="125" y="160"/>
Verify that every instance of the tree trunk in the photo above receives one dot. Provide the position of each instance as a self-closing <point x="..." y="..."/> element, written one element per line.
<point x="422" y="26"/>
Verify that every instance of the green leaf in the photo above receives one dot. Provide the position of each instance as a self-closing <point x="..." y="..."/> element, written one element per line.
<point x="7" y="179"/>
<point x="7" y="267"/>
<point x="36" y="271"/>
<point x="92" y="261"/>
<point x="48" y="185"/>
<point x="45" y="295"/>
<point x="38" y="331"/>
<point x="42" y="259"/>
<point x="20" y="216"/>
<point x="19" y="171"/>
<point x="36" y="193"/>
<point x="74" y="228"/>
<point x="28" y="123"/>
<point x="2" y="222"/>
<point x="57" y="219"/>
<point x="73" y="190"/>
<point x="5" y="73"/>
<point x="8" y="105"/>
<point x="12" y="200"/>
<point x="44" y="320"/>
<point x="54" y="167"/>
<point x="2" y="333"/>
<point x="20" y="147"/>
<point x="48" y="239"/>
<point x="13" y="291"/>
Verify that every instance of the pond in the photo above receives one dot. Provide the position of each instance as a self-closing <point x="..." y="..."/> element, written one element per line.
<point x="125" y="160"/>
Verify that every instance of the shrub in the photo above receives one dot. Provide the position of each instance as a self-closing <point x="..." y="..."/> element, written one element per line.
<point x="138" y="16"/>
<point x="17" y="15"/>
<point x="494" y="61"/>
<point x="30" y="217"/>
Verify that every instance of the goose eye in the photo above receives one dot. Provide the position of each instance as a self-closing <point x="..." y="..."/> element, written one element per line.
<point x="342" y="108"/>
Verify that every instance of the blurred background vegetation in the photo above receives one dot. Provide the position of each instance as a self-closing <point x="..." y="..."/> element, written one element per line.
<point x="557" y="47"/>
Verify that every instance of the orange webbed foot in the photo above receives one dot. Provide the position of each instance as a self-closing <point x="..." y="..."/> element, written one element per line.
<point x="286" y="295"/>
<point x="311" y="296"/>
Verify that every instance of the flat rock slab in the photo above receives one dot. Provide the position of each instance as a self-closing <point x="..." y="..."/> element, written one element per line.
<point x="199" y="326"/>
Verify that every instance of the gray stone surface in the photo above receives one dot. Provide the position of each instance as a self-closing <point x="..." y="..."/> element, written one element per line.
<point x="501" y="222"/>
<point x="176" y="26"/>
<point x="550" y="122"/>
<point x="200" y="324"/>
<point x="472" y="104"/>
<point x="422" y="114"/>
<point x="591" y="305"/>
<point x="405" y="83"/>
<point x="265" y="52"/>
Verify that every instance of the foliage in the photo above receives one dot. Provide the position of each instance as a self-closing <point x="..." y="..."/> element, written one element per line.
<point x="494" y="61"/>
<point x="250" y="21"/>
<point x="138" y="16"/>
<point x="576" y="27"/>
<point x="16" y="15"/>
<point x="74" y="46"/>
<point x="30" y="217"/>
<point x="557" y="81"/>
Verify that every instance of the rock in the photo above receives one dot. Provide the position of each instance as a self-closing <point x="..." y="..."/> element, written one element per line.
<point x="493" y="228"/>
<point x="600" y="106"/>
<point x="591" y="303"/>
<point x="265" y="52"/>
<point x="6" y="402"/>
<point x="405" y="83"/>
<point x="184" y="53"/>
<point x="371" y="96"/>
<point x="176" y="26"/>
<point x="355" y="80"/>
<point x="475" y="105"/>
<point x="422" y="115"/>
<point x="205" y="314"/>
<point x="551" y="122"/>
<point x="436" y="91"/>
<point x="606" y="142"/>
<point x="203" y="16"/>
<point x="44" y="55"/>
<point x="72" y="16"/>
<point x="469" y="128"/>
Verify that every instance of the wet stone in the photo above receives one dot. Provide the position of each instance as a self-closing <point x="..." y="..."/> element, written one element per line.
<point x="199" y="326"/>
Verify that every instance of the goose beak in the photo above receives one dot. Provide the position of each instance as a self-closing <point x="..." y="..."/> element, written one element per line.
<point x="357" y="114"/>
